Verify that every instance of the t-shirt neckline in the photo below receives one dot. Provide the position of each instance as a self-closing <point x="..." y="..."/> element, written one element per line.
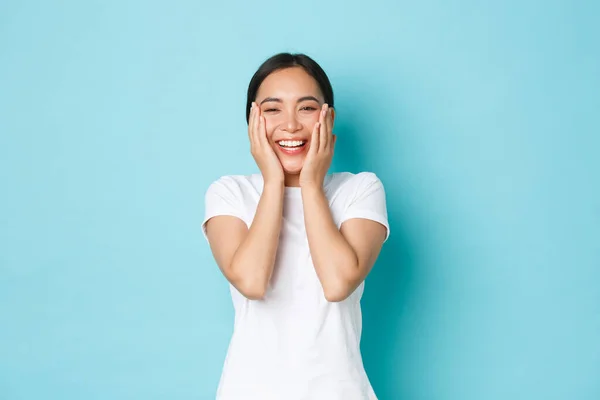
<point x="295" y="191"/>
<point x="292" y="191"/>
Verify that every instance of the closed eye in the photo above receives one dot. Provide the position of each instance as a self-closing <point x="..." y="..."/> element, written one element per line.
<point x="308" y="108"/>
<point x="271" y="110"/>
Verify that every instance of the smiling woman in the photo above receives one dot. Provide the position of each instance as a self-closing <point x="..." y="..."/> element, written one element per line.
<point x="295" y="244"/>
<point x="292" y="91"/>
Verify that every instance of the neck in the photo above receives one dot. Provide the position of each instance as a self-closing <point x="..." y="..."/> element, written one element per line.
<point x="292" y="180"/>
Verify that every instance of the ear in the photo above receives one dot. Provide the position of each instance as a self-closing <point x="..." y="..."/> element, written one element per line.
<point x="332" y="116"/>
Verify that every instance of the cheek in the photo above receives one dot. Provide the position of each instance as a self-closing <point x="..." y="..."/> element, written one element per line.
<point x="271" y="123"/>
<point x="270" y="132"/>
<point x="310" y="120"/>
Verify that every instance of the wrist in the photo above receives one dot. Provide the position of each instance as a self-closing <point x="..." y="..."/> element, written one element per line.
<point x="311" y="188"/>
<point x="274" y="185"/>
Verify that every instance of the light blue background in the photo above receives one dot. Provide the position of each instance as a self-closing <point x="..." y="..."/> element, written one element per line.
<point x="481" y="119"/>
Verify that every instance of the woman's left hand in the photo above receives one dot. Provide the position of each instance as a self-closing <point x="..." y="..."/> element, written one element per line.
<point x="320" y="152"/>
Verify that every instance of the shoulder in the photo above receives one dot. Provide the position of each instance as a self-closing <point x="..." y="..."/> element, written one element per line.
<point x="232" y="195"/>
<point x="363" y="189"/>
<point x="236" y="184"/>
<point x="352" y="181"/>
<point x="358" y="195"/>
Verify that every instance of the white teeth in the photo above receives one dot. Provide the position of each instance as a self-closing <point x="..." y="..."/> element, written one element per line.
<point x="291" y="143"/>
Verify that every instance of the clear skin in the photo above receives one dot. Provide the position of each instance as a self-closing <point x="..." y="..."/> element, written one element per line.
<point x="289" y="106"/>
<point x="246" y="256"/>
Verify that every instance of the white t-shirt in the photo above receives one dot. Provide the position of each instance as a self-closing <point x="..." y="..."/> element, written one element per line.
<point x="293" y="344"/>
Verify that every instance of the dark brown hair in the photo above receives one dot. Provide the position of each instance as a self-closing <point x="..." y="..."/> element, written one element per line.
<point x="287" y="60"/>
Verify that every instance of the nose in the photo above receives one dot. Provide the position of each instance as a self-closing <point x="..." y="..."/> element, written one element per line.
<point x="292" y="124"/>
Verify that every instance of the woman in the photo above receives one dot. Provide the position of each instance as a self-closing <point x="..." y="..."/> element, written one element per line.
<point x="295" y="244"/>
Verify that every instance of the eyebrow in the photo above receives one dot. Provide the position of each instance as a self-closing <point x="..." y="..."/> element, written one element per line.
<point x="300" y="100"/>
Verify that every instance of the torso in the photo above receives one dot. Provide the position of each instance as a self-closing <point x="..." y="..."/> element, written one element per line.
<point x="294" y="344"/>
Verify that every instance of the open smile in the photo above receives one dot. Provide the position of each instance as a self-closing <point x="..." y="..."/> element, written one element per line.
<point x="292" y="146"/>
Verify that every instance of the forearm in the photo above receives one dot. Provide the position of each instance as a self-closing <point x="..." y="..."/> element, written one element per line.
<point x="254" y="259"/>
<point x="335" y="261"/>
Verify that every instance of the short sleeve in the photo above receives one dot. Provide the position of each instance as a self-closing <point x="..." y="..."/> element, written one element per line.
<point x="368" y="201"/>
<point x="223" y="197"/>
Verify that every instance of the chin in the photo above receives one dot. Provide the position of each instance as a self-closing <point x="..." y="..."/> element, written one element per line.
<point x="292" y="169"/>
<point x="292" y="166"/>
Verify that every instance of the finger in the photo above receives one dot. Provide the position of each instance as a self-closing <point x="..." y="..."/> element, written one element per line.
<point x="251" y="122"/>
<point x="262" y="131"/>
<point x="330" y="129"/>
<point x="256" y="131"/>
<point x="314" y="139"/>
<point x="323" y="134"/>
<point x="253" y="109"/>
<point x="321" y="122"/>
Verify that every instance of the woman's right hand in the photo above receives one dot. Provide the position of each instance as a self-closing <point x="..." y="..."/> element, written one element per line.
<point x="264" y="155"/>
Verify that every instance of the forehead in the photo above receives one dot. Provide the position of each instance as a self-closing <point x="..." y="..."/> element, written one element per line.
<point x="289" y="83"/>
